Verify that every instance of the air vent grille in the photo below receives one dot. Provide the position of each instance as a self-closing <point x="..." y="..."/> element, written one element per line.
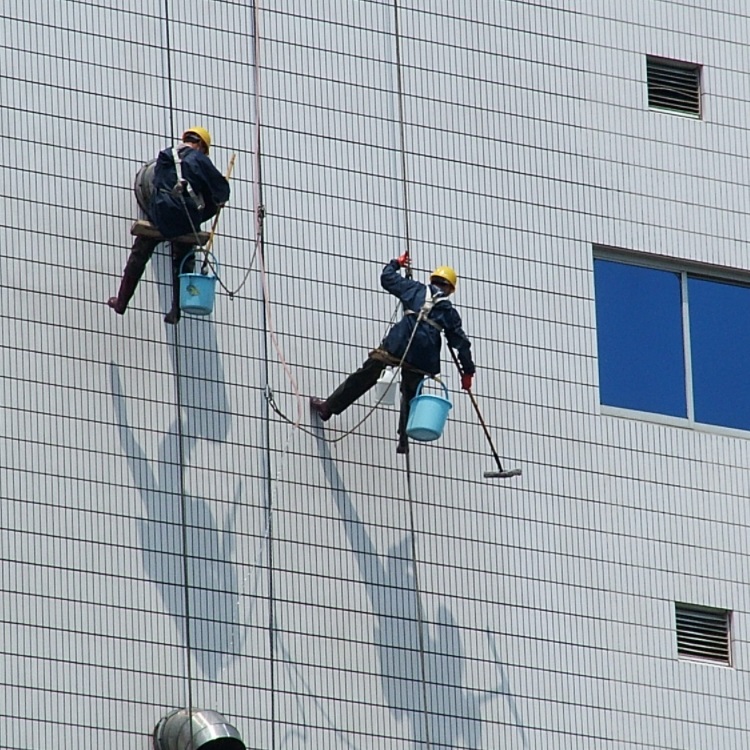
<point x="674" y="86"/>
<point x="702" y="633"/>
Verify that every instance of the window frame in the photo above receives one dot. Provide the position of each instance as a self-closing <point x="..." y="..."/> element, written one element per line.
<point x="684" y="268"/>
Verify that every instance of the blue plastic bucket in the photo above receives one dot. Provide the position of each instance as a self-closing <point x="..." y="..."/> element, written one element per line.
<point x="428" y="414"/>
<point x="197" y="290"/>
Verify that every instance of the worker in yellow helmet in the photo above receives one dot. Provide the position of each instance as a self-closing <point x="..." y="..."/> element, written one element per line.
<point x="203" y="136"/>
<point x="430" y="312"/>
<point x="183" y="189"/>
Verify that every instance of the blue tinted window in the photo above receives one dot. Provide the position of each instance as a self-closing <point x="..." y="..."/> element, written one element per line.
<point x="720" y="348"/>
<point x="639" y="330"/>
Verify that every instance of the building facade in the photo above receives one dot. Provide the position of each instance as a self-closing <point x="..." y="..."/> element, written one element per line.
<point x="179" y="531"/>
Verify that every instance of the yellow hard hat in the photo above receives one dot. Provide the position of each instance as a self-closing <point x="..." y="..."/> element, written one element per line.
<point x="202" y="133"/>
<point x="446" y="273"/>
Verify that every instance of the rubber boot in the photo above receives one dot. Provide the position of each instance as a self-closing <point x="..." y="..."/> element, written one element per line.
<point x="174" y="315"/>
<point x="140" y="254"/>
<point x="127" y="288"/>
<point x="321" y="408"/>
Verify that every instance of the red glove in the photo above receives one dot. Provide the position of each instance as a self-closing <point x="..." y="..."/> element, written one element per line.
<point x="403" y="260"/>
<point x="466" y="381"/>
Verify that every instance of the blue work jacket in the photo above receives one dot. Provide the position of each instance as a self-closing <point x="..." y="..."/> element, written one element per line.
<point x="424" y="352"/>
<point x="167" y="210"/>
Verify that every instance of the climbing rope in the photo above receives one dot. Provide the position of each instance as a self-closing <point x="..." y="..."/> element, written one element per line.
<point x="206" y="250"/>
<point x="418" y="597"/>
<point x="260" y="210"/>
<point x="259" y="253"/>
<point x="181" y="453"/>
<point x="402" y="135"/>
<point x="271" y="403"/>
<point x="397" y="368"/>
<point x="405" y="184"/>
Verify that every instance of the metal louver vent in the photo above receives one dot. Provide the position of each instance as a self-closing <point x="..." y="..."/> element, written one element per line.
<point x="702" y="633"/>
<point x="674" y="86"/>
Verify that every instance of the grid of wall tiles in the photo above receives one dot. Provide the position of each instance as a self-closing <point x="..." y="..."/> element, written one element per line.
<point x="168" y="539"/>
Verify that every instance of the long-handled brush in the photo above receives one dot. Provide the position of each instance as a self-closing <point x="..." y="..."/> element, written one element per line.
<point x="212" y="234"/>
<point x="501" y="473"/>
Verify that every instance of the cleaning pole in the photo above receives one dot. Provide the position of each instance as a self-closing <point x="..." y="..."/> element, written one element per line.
<point x="501" y="473"/>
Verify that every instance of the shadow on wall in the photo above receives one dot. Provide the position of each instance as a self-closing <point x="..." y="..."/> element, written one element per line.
<point x="196" y="360"/>
<point x="454" y="715"/>
<point x="214" y="617"/>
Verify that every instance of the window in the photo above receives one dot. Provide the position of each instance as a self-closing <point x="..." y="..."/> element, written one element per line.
<point x="674" y="86"/>
<point x="702" y="633"/>
<point x="674" y="342"/>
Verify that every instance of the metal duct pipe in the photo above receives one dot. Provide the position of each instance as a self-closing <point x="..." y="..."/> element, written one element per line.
<point x="194" y="730"/>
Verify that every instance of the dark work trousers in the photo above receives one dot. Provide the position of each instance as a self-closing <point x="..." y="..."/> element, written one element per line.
<point x="359" y="382"/>
<point x="140" y="254"/>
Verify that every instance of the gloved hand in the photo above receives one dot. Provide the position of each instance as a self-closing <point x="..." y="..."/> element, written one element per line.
<point x="466" y="381"/>
<point x="403" y="260"/>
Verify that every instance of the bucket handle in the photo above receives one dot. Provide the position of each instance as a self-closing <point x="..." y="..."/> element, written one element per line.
<point x="446" y="392"/>
<point x="193" y="253"/>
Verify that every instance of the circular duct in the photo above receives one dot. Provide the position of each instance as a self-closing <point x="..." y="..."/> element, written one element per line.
<point x="198" y="729"/>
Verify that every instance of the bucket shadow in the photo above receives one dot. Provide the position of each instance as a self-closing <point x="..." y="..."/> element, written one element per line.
<point x="454" y="714"/>
<point x="213" y="592"/>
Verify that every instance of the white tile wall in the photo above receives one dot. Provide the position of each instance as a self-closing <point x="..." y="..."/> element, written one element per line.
<point x="540" y="612"/>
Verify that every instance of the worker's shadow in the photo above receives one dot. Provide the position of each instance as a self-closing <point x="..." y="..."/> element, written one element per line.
<point x="454" y="715"/>
<point x="165" y="529"/>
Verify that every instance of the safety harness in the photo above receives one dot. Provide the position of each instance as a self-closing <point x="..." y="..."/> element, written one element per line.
<point x="424" y="312"/>
<point x="182" y="184"/>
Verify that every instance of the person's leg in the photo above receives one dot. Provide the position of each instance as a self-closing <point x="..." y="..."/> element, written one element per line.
<point x="356" y="385"/>
<point x="410" y="381"/>
<point x="140" y="254"/>
<point x="180" y="251"/>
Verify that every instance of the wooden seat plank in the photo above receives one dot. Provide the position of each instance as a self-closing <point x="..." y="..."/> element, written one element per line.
<point x="143" y="228"/>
